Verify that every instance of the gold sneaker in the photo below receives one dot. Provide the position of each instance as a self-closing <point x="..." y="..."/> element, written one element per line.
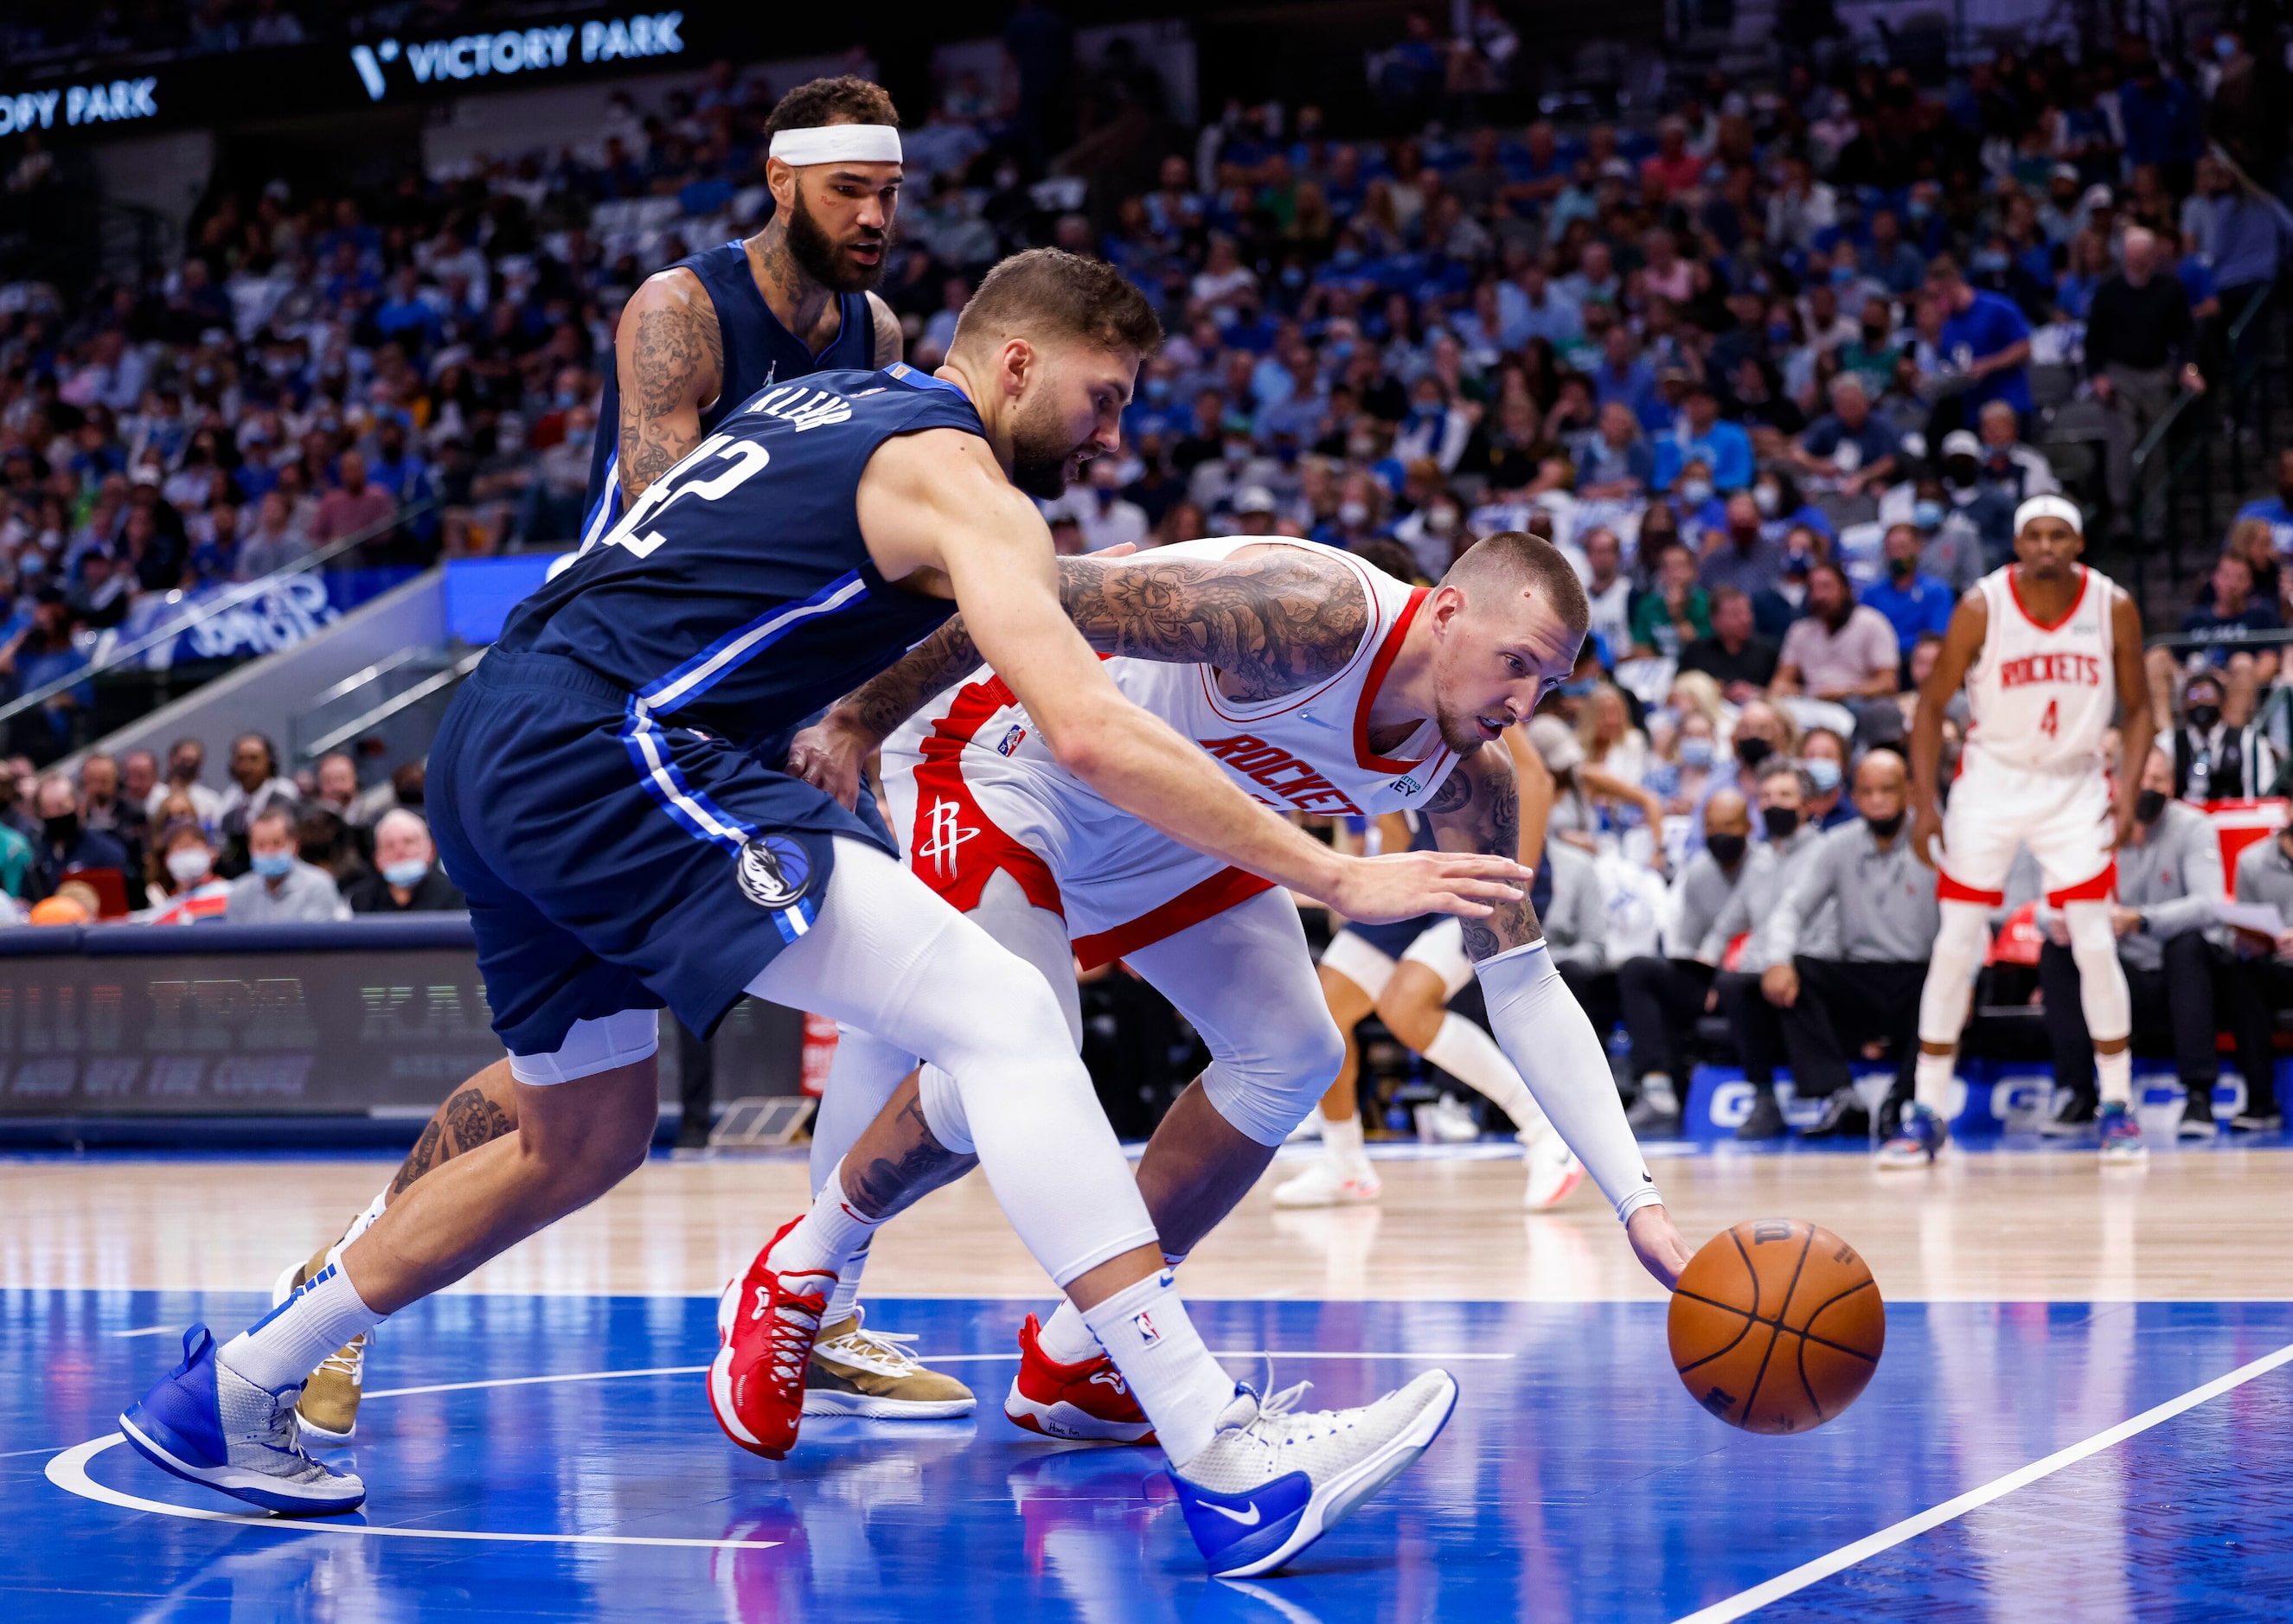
<point x="330" y="1406"/>
<point x="857" y="1372"/>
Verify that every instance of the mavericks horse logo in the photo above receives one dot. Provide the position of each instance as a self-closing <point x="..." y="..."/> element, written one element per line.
<point x="774" y="871"/>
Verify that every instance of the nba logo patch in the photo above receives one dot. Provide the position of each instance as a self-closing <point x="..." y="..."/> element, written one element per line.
<point x="1010" y="740"/>
<point x="1145" y="1324"/>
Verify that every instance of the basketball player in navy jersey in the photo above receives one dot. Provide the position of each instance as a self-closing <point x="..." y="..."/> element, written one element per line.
<point x="600" y="793"/>
<point x="693" y="343"/>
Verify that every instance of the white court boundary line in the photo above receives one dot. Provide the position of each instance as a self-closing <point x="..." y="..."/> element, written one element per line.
<point x="1910" y="1528"/>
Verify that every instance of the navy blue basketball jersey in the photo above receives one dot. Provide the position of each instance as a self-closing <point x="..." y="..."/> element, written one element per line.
<point x="759" y="353"/>
<point x="736" y="593"/>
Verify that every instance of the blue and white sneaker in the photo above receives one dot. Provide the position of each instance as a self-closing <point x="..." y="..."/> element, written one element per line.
<point x="1919" y="1138"/>
<point x="206" y="1424"/>
<point x="1273" y="1480"/>
<point x="2121" y="1135"/>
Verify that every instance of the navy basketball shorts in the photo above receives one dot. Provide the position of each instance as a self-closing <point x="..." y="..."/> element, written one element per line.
<point x="615" y="861"/>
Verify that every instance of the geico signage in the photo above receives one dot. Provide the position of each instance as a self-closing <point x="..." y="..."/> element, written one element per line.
<point x="80" y="104"/>
<point x="476" y="56"/>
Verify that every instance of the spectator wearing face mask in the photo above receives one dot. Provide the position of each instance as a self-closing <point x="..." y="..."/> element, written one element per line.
<point x="1917" y="604"/>
<point x="1661" y="998"/>
<point x="66" y="842"/>
<point x="1738" y="552"/>
<point x="1734" y="654"/>
<point x="280" y="888"/>
<point x="183" y="879"/>
<point x="1434" y="532"/>
<point x="1763" y="735"/>
<point x="1740" y="945"/>
<point x="2169" y="885"/>
<point x="406" y="877"/>
<point x="1869" y="987"/>
<point x="1823" y="757"/>
<point x="2215" y="761"/>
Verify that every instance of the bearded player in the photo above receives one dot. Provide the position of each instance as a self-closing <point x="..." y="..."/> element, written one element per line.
<point x="693" y="344"/>
<point x="1319" y="684"/>
<point x="2047" y="650"/>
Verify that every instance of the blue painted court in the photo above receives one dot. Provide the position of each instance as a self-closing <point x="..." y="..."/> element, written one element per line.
<point x="554" y="1456"/>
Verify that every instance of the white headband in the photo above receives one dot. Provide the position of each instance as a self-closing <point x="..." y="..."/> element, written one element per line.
<point x="2049" y="507"/>
<point x="833" y="144"/>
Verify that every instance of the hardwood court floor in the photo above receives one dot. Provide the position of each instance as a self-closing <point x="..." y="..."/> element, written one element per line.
<point x="2002" y="1225"/>
<point x="2044" y="1438"/>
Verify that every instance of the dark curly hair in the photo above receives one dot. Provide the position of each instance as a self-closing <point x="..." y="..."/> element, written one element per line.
<point x="846" y="99"/>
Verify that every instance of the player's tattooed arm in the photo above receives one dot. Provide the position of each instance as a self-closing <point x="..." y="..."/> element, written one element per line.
<point x="670" y="358"/>
<point x="1477" y="809"/>
<point x="890" y="339"/>
<point x="1272" y="623"/>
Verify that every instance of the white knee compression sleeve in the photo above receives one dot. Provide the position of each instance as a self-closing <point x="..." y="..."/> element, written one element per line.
<point x="2103" y="992"/>
<point x="1958" y="949"/>
<point x="592" y="1047"/>
<point x="1546" y="1035"/>
<point x="888" y="957"/>
<point x="1244" y="980"/>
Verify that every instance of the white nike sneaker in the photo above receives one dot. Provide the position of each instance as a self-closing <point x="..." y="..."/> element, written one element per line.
<point x="1553" y="1170"/>
<point x="1447" y="1120"/>
<point x="1273" y="1480"/>
<point x="1325" y="1184"/>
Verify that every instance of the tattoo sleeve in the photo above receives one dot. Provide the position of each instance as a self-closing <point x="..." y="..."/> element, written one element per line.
<point x="677" y="356"/>
<point x="885" y="1184"/>
<point x="1477" y="809"/>
<point x="1272" y="624"/>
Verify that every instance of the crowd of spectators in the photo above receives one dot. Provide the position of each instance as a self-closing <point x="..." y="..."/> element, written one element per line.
<point x="128" y="838"/>
<point x="1773" y="368"/>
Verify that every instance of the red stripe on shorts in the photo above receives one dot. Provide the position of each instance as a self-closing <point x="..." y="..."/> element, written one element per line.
<point x="955" y="846"/>
<point x="2102" y="888"/>
<point x="1190" y="907"/>
<point x="1949" y="890"/>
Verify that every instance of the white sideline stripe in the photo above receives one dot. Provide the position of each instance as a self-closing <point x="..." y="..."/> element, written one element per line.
<point x="1223" y="1353"/>
<point x="148" y="1331"/>
<point x="1911" y="1527"/>
<point x="69" y="1472"/>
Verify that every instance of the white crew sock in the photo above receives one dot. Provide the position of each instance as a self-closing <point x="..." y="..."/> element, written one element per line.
<point x="2114" y="1077"/>
<point x="844" y="1301"/>
<point x="1066" y="1339"/>
<point x="1470" y="1056"/>
<point x="363" y="1222"/>
<point x="829" y="1235"/>
<point x="1931" y="1075"/>
<point x="281" y="1349"/>
<point x="1342" y="1142"/>
<point x="1144" y="1330"/>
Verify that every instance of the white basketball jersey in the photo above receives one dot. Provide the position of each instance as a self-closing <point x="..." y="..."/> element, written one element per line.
<point x="1308" y="751"/>
<point x="2041" y="697"/>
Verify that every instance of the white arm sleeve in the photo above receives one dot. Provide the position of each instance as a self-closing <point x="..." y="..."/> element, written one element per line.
<point x="1546" y="1035"/>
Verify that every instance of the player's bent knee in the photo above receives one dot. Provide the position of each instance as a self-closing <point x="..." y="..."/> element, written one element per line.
<point x="1265" y="1093"/>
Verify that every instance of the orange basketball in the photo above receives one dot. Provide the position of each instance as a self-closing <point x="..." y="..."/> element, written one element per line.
<point x="1777" y="1325"/>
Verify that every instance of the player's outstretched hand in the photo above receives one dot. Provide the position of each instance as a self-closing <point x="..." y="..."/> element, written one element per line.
<point x="829" y="758"/>
<point x="1656" y="1243"/>
<point x="1386" y="890"/>
<point x="1926" y="832"/>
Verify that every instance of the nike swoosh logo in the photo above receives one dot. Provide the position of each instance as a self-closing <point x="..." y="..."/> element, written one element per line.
<point x="1247" y="1521"/>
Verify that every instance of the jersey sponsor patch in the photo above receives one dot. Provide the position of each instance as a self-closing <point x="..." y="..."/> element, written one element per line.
<point x="773" y="872"/>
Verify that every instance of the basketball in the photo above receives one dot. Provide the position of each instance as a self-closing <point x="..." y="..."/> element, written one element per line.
<point x="1777" y="1325"/>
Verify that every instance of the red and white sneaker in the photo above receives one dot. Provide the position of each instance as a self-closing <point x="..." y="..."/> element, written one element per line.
<point x="766" y="1323"/>
<point x="1086" y="1403"/>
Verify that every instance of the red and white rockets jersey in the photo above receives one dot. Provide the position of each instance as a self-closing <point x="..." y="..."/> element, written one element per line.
<point x="1307" y="751"/>
<point x="2040" y="697"/>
